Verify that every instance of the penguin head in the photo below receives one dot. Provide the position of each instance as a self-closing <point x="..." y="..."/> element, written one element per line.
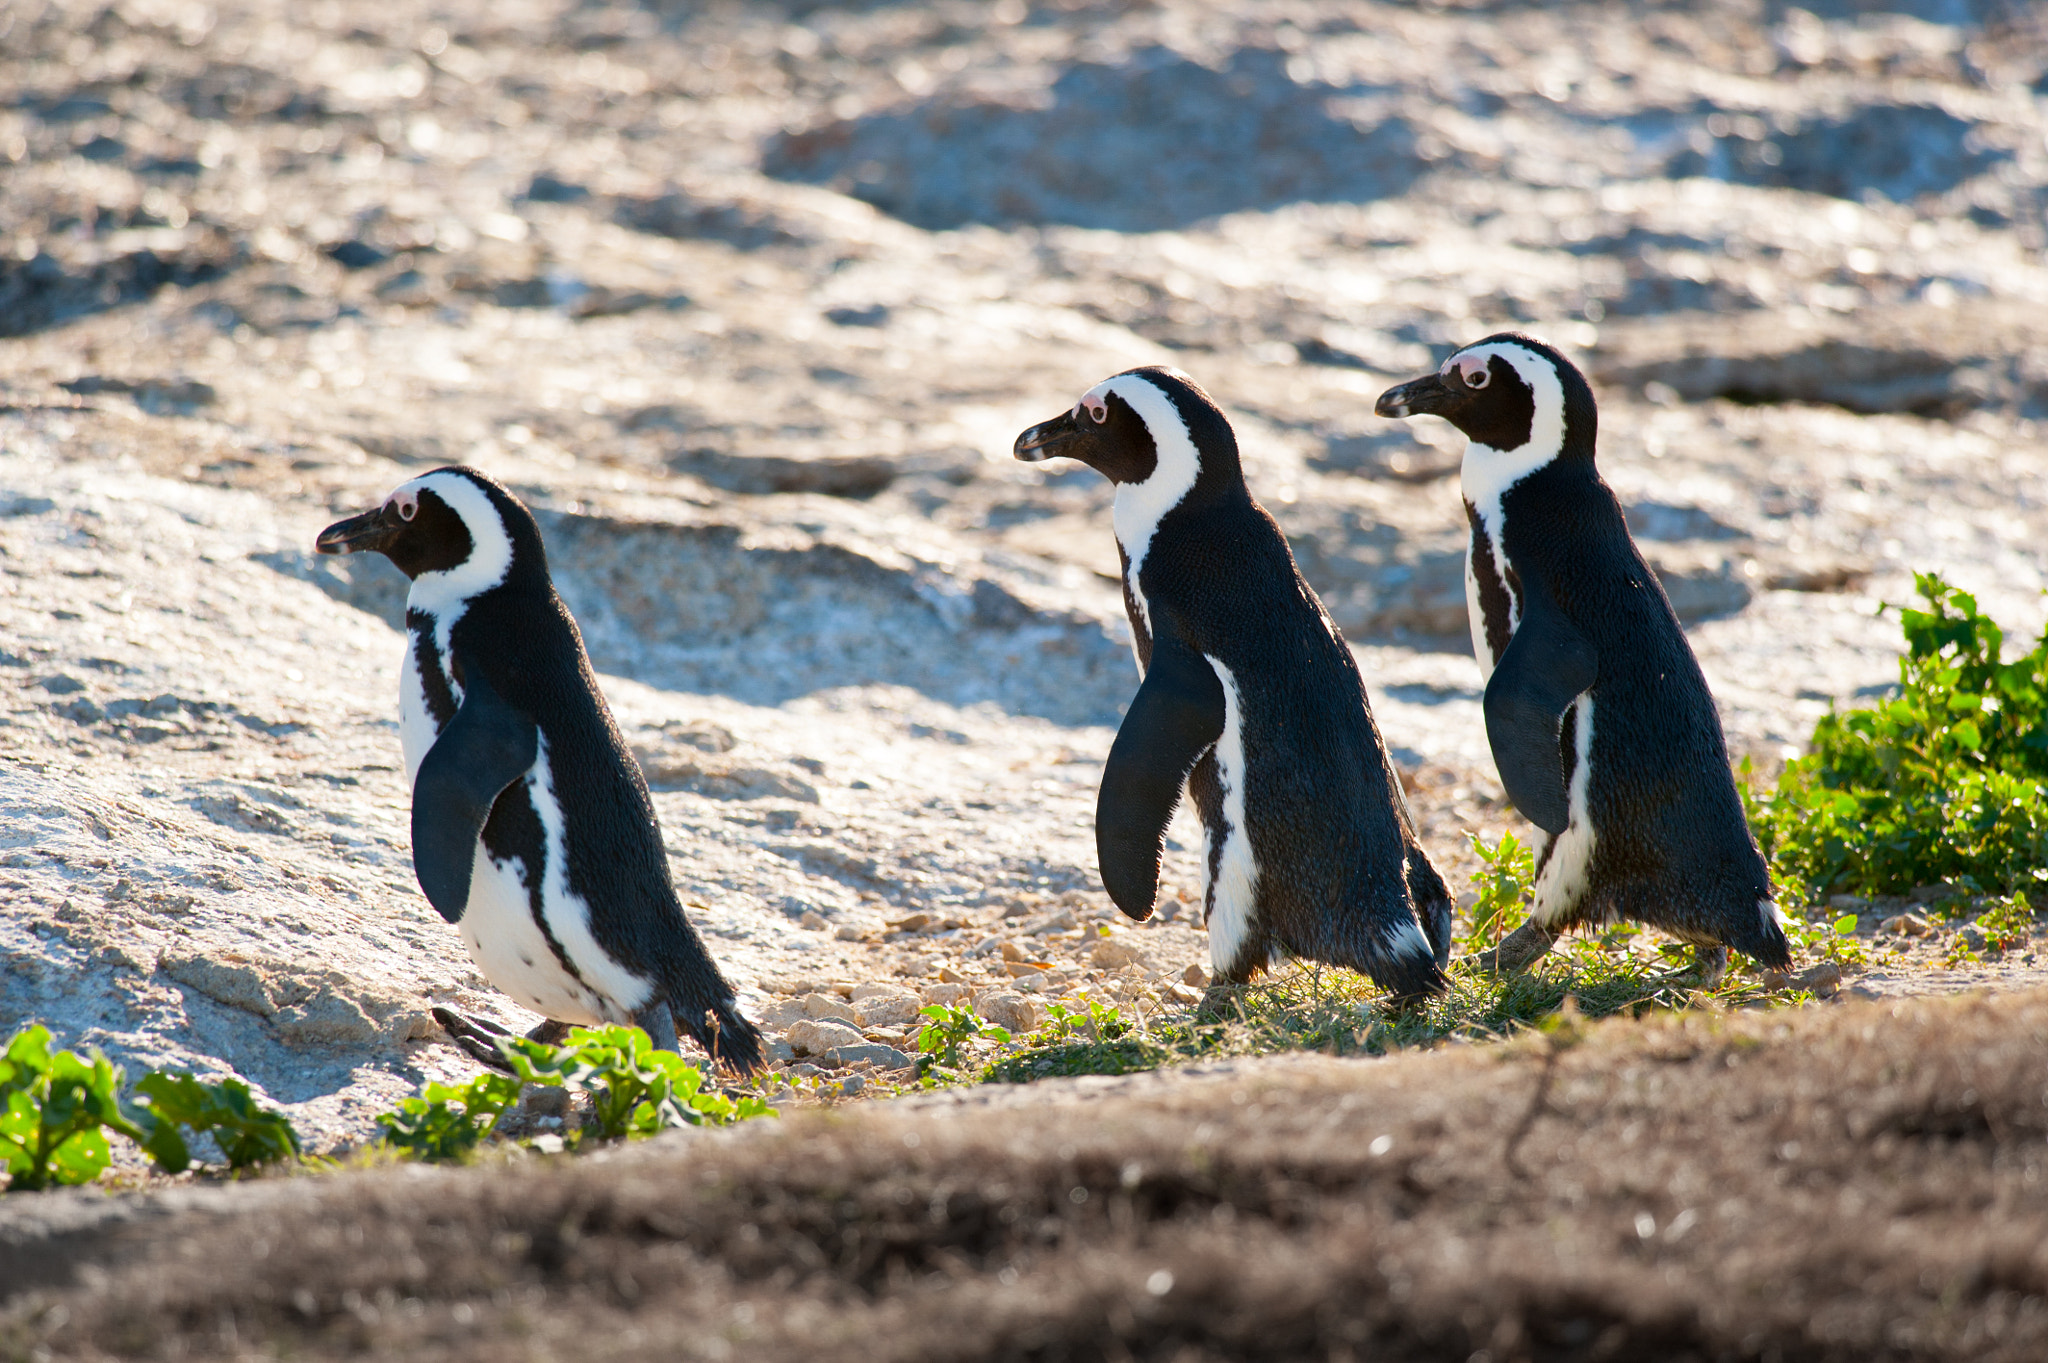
<point x="453" y="522"/>
<point x="1510" y="393"/>
<point x="1141" y="424"/>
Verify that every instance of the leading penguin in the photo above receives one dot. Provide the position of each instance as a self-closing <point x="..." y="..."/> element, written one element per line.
<point x="1599" y="718"/>
<point x="1251" y="700"/>
<point x="532" y="828"/>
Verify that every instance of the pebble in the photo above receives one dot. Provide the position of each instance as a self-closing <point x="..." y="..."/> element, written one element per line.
<point x="819" y="1036"/>
<point x="880" y="1056"/>
<point x="1012" y="1010"/>
<point x="829" y="1006"/>
<point x="1906" y="925"/>
<point x="1113" y="954"/>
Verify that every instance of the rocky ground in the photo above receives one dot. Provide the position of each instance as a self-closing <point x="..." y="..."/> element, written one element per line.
<point x="749" y="302"/>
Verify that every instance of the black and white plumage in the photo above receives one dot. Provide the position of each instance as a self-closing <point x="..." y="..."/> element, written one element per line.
<point x="532" y="828"/>
<point x="1252" y="702"/>
<point x="1600" y="721"/>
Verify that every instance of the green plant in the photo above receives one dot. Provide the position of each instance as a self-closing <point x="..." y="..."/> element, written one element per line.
<point x="447" y="1122"/>
<point x="635" y="1089"/>
<point x="1832" y="941"/>
<point x="1506" y="872"/>
<point x="1093" y="1038"/>
<point x="951" y="1028"/>
<point x="55" y="1110"/>
<point x="247" y="1134"/>
<point x="1946" y="781"/>
<point x="2007" y="925"/>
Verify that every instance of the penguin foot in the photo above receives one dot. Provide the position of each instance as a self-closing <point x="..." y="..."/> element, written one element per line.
<point x="1219" y="1003"/>
<point x="1521" y="949"/>
<point x="476" y="1038"/>
<point x="1709" y="968"/>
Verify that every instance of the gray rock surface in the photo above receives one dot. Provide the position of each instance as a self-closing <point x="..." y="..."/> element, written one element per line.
<point x="749" y="302"/>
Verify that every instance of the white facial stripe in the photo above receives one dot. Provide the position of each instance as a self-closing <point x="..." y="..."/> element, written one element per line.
<point x="1139" y="506"/>
<point x="1568" y="872"/>
<point x="1488" y="473"/>
<point x="445" y="594"/>
<point x="1232" y="900"/>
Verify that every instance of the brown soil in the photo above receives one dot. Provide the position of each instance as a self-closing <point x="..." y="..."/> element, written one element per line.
<point x="1862" y="1182"/>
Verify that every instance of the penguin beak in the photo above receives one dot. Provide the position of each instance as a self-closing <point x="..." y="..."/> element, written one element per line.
<point x="1426" y="396"/>
<point x="1049" y="438"/>
<point x="373" y="530"/>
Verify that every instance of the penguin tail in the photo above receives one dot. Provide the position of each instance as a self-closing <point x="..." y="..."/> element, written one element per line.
<point x="1764" y="939"/>
<point x="1403" y="961"/>
<point x="717" y="1024"/>
<point x="1432" y="903"/>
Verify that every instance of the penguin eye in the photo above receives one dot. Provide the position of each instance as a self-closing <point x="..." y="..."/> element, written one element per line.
<point x="408" y="505"/>
<point x="1096" y="408"/>
<point x="1474" y="372"/>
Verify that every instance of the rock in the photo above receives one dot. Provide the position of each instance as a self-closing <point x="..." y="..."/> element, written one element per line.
<point x="813" y="921"/>
<point x="828" y="1006"/>
<point x="1013" y="1011"/>
<point x="1183" y="994"/>
<point x="779" y="1051"/>
<point x="1113" y="953"/>
<point x="1011" y="951"/>
<point x="1848" y="903"/>
<point x="1195" y="975"/>
<point x="1906" y="925"/>
<point x="61" y="685"/>
<point x="852" y="1084"/>
<point x="916" y="922"/>
<point x="236" y="982"/>
<point x="819" y="1036"/>
<point x="544" y="1100"/>
<point x="1824" y="979"/>
<point x="780" y="1014"/>
<point x="881" y="1057"/>
<point x="884" y="1009"/>
<point x="947" y="992"/>
<point x="846" y="932"/>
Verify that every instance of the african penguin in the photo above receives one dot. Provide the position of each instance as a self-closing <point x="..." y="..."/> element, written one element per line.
<point x="1251" y="700"/>
<point x="1600" y="721"/>
<point x="532" y="829"/>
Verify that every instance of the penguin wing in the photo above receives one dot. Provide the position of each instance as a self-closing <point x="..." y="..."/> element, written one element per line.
<point x="1547" y="665"/>
<point x="485" y="748"/>
<point x="1175" y="718"/>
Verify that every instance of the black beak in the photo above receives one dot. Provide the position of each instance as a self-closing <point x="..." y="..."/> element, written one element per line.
<point x="372" y="530"/>
<point x="1048" y="438"/>
<point x="1426" y="396"/>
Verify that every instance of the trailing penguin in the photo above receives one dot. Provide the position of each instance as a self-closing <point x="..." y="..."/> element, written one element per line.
<point x="532" y="828"/>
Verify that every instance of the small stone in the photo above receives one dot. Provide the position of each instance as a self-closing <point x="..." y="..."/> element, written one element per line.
<point x="914" y="923"/>
<point x="819" y="1036"/>
<point x="1848" y="903"/>
<point x="1012" y="952"/>
<point x="847" y="933"/>
<point x="804" y="1071"/>
<point x="1973" y="938"/>
<point x="881" y="1057"/>
<point x="948" y="975"/>
<point x="1183" y="994"/>
<point x="852" y="1084"/>
<point x="1011" y="1010"/>
<point x="1113" y="954"/>
<point x="1906" y="925"/>
<point x="886" y="1009"/>
<point x="828" y="1006"/>
<point x="780" y="1052"/>
<point x="61" y="685"/>
<point x="1195" y="976"/>
<point x="813" y="921"/>
<point x="1824" y="979"/>
<point x="946" y="993"/>
<point x="544" y="1100"/>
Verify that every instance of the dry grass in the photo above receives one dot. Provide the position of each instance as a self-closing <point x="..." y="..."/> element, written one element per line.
<point x="1863" y="1182"/>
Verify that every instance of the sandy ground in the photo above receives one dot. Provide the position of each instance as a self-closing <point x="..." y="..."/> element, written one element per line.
<point x="750" y="301"/>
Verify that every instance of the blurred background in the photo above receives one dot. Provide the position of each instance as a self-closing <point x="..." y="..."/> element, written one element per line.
<point x="783" y="261"/>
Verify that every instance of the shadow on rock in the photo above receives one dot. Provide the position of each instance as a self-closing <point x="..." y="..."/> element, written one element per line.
<point x="1152" y="143"/>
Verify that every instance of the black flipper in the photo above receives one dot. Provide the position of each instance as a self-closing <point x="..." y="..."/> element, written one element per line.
<point x="1175" y="718"/>
<point x="1547" y="666"/>
<point x="485" y="748"/>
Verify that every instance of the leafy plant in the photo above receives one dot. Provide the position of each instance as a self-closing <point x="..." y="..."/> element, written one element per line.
<point x="1832" y="941"/>
<point x="1506" y="873"/>
<point x="939" y="1041"/>
<point x="635" y="1090"/>
<point x="247" y="1133"/>
<point x="447" y="1122"/>
<point x="2007" y="925"/>
<point x="55" y="1110"/>
<point x="1093" y="1038"/>
<point x="1947" y="781"/>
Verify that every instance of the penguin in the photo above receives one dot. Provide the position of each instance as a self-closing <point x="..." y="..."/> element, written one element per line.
<point x="1599" y="718"/>
<point x="532" y="828"/>
<point x="1249" y="700"/>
